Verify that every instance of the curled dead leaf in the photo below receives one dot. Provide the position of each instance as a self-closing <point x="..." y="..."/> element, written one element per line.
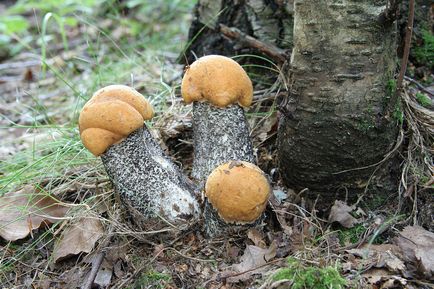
<point x="340" y="212"/>
<point x="27" y="209"/>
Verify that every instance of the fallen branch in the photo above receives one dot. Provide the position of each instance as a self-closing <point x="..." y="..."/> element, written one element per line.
<point x="275" y="53"/>
<point x="96" y="264"/>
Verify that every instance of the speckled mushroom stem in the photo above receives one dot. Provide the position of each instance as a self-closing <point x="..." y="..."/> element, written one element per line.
<point x="219" y="87"/>
<point x="152" y="187"/>
<point x="216" y="227"/>
<point x="220" y="135"/>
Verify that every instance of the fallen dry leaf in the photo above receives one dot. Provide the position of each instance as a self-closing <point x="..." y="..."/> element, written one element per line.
<point x="256" y="237"/>
<point x="380" y="278"/>
<point x="232" y="251"/>
<point x="417" y="246"/>
<point x="25" y="210"/>
<point x="383" y="255"/>
<point x="340" y="212"/>
<point x="255" y="256"/>
<point x="252" y="261"/>
<point x="78" y="238"/>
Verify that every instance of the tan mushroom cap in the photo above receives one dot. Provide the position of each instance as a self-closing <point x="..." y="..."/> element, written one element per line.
<point x="110" y="115"/>
<point x="217" y="79"/>
<point x="238" y="191"/>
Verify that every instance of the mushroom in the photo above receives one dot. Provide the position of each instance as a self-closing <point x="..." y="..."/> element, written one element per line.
<point x="219" y="88"/>
<point x="150" y="185"/>
<point x="236" y="196"/>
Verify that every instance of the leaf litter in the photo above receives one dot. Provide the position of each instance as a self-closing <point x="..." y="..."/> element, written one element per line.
<point x="79" y="237"/>
<point x="252" y="262"/>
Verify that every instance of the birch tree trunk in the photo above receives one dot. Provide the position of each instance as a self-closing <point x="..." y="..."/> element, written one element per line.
<point x="341" y="113"/>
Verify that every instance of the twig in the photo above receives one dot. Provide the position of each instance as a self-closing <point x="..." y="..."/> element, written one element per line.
<point x="188" y="257"/>
<point x="96" y="264"/>
<point x="275" y="53"/>
<point x="420" y="86"/>
<point x="253" y="269"/>
<point x="407" y="45"/>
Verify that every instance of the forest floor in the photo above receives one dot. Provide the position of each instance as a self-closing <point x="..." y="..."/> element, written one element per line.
<point x="47" y="177"/>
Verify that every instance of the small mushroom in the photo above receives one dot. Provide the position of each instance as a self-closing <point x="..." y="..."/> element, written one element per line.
<point x="219" y="88"/>
<point x="237" y="193"/>
<point x="150" y="185"/>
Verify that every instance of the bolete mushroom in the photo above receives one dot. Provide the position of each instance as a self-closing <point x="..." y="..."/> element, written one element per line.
<point x="150" y="185"/>
<point x="219" y="88"/>
<point x="236" y="196"/>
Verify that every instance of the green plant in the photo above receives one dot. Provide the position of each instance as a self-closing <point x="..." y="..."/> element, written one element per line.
<point x="60" y="7"/>
<point x="153" y="279"/>
<point x="13" y="24"/>
<point x="310" y="277"/>
<point x="398" y="115"/>
<point x="161" y="11"/>
<point x="60" y="22"/>
<point x="425" y="52"/>
<point x="10" y="27"/>
<point x="16" y="31"/>
<point x="422" y="99"/>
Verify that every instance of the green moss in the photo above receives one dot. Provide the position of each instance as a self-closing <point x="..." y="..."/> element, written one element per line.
<point x="376" y="199"/>
<point x="153" y="279"/>
<point x="397" y="114"/>
<point x="391" y="100"/>
<point x="365" y="125"/>
<point x="351" y="235"/>
<point x="309" y="277"/>
<point x="423" y="100"/>
<point x="390" y="88"/>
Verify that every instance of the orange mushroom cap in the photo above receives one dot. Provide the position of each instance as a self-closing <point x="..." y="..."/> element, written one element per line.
<point x="110" y="115"/>
<point x="238" y="191"/>
<point x="217" y="79"/>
